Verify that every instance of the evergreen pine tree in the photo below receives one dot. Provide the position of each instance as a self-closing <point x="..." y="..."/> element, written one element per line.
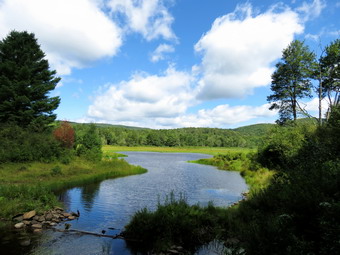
<point x="292" y="80"/>
<point x="25" y="83"/>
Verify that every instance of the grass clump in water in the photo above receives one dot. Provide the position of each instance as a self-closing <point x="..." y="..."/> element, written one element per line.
<point x="174" y="223"/>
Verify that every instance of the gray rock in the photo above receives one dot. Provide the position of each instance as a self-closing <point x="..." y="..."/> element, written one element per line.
<point x="66" y="215"/>
<point x="55" y="215"/>
<point x="52" y="224"/>
<point x="27" y="222"/>
<point x="18" y="218"/>
<point x="48" y="216"/>
<point x="36" y="226"/>
<point x="41" y="218"/>
<point x="37" y="230"/>
<point x="19" y="225"/>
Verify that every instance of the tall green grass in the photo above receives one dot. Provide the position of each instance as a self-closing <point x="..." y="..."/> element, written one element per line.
<point x="27" y="186"/>
<point x="16" y="199"/>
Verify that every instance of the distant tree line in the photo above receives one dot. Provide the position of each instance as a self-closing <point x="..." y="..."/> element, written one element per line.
<point x="204" y="137"/>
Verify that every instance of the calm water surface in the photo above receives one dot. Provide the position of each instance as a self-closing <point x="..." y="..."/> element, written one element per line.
<point x="111" y="203"/>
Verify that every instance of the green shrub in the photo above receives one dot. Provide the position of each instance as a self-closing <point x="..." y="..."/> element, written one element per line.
<point x="174" y="223"/>
<point x="22" y="145"/>
<point x="88" y="144"/>
<point x="280" y="147"/>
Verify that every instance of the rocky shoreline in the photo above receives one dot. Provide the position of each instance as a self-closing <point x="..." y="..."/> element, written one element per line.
<point x="38" y="221"/>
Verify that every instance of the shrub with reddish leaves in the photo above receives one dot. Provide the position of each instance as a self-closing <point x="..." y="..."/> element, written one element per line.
<point x="65" y="134"/>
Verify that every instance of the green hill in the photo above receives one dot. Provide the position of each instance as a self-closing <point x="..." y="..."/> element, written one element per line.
<point x="256" y="129"/>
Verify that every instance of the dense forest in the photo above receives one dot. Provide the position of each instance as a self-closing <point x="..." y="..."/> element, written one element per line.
<point x="210" y="137"/>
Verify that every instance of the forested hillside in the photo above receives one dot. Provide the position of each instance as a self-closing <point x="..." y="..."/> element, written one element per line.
<point x="248" y="136"/>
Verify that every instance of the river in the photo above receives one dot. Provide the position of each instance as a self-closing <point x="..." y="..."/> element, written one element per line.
<point x="109" y="205"/>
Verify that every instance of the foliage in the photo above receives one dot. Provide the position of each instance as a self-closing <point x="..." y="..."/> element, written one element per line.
<point x="21" y="145"/>
<point x="65" y="134"/>
<point x="296" y="213"/>
<point x="88" y="143"/>
<point x="25" y="83"/>
<point x="174" y="223"/>
<point x="281" y="145"/>
<point x="182" y="137"/>
<point x="292" y="80"/>
<point x="330" y="70"/>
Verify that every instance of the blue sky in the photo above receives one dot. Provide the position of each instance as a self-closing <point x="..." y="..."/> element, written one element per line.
<point x="169" y="63"/>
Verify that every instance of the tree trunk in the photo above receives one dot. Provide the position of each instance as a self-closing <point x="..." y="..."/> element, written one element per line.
<point x="320" y="99"/>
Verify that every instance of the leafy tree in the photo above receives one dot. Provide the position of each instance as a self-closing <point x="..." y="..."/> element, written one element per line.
<point x="25" y="82"/>
<point x="330" y="70"/>
<point x="89" y="144"/>
<point x="292" y="80"/>
<point x="65" y="134"/>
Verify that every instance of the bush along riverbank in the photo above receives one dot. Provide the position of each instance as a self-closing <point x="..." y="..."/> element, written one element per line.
<point x="296" y="213"/>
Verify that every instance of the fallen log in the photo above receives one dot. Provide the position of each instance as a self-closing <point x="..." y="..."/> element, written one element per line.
<point x="88" y="233"/>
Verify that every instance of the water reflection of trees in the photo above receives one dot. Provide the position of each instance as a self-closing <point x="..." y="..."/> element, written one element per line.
<point x="88" y="195"/>
<point x="65" y="198"/>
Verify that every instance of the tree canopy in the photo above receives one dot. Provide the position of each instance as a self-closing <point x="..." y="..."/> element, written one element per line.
<point x="25" y="82"/>
<point x="292" y="80"/>
<point x="330" y="70"/>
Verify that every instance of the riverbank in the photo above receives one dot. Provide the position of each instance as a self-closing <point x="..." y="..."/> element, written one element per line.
<point x="107" y="149"/>
<point x="30" y="186"/>
<point x="256" y="176"/>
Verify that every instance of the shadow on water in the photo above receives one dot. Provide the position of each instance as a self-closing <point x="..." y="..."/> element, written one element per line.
<point x="17" y="242"/>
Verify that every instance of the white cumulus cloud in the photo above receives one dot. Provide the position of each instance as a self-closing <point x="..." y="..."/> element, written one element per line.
<point x="220" y="116"/>
<point x="144" y="98"/>
<point x="71" y="33"/>
<point x="150" y="18"/>
<point x="240" y="48"/>
<point x="158" y="54"/>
